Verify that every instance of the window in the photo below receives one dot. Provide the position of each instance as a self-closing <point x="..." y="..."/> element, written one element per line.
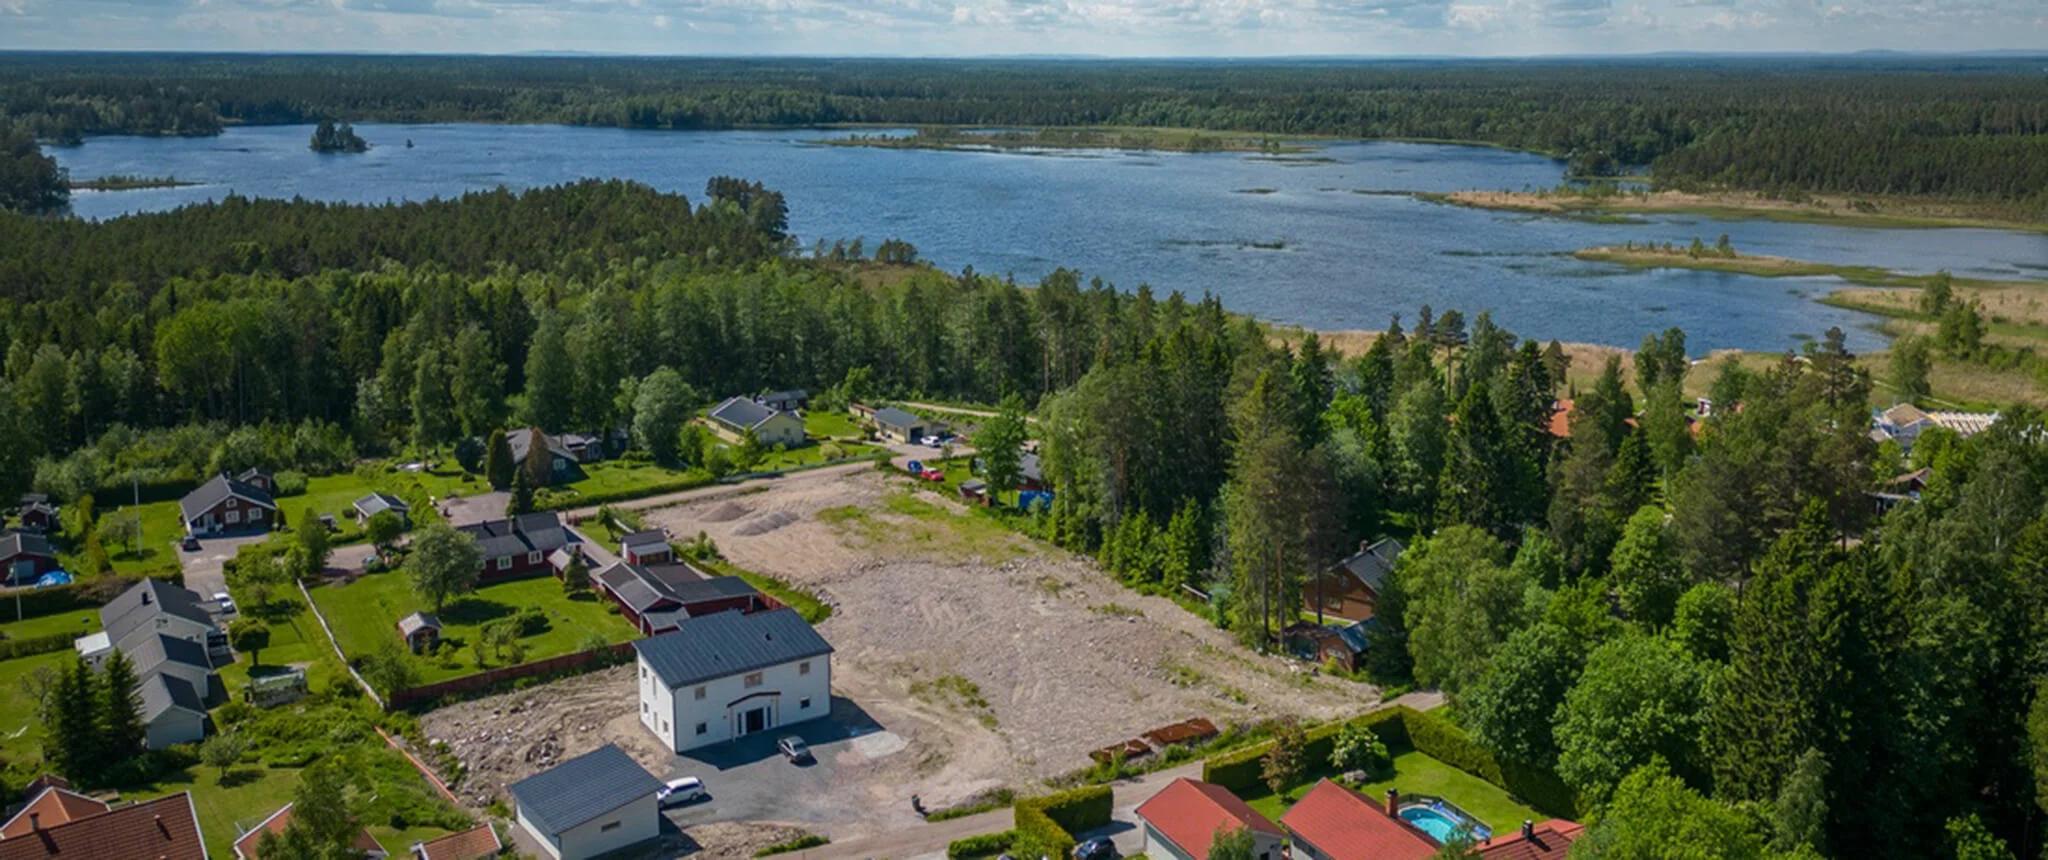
<point x="504" y="562"/>
<point x="255" y="514"/>
<point x="643" y="671"/>
<point x="609" y="827"/>
<point x="233" y="517"/>
<point x="700" y="693"/>
<point x="803" y="668"/>
<point x="703" y="728"/>
<point x="231" y="501"/>
<point x="804" y="705"/>
<point x="664" y="725"/>
<point x="643" y="707"/>
<point x="533" y="557"/>
<point x="754" y="680"/>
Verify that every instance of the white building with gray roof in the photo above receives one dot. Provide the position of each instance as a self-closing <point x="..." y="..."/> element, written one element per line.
<point x="596" y="803"/>
<point x="727" y="675"/>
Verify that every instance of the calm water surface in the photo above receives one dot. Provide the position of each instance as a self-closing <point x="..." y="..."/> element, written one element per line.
<point x="1316" y="240"/>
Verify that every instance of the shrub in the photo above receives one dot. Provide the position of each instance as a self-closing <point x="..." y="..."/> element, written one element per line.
<point x="808" y="840"/>
<point x="33" y="645"/>
<point x="290" y="483"/>
<point x="1360" y="748"/>
<point x="1046" y="825"/>
<point x="984" y="845"/>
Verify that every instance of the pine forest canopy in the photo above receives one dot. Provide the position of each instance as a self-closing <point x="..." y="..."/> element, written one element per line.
<point x="1962" y="127"/>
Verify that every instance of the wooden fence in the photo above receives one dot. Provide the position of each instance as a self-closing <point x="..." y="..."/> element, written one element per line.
<point x="495" y="679"/>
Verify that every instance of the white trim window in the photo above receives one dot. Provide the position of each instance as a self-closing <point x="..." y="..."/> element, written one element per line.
<point x="232" y="517"/>
<point x="504" y="562"/>
<point x="255" y="515"/>
<point x="533" y="557"/>
<point x="753" y="680"/>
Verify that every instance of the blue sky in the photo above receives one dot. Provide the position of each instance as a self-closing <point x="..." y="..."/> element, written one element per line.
<point x="985" y="27"/>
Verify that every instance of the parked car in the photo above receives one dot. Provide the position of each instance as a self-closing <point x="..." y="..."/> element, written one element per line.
<point x="929" y="441"/>
<point x="189" y="544"/>
<point x="677" y="792"/>
<point x="931" y="474"/>
<point x="227" y="604"/>
<point x="794" y="749"/>
<point x="1095" y="849"/>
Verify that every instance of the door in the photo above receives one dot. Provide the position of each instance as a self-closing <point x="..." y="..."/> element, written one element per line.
<point x="755" y="720"/>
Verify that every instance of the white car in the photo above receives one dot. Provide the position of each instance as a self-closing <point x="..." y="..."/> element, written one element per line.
<point x="677" y="792"/>
<point x="929" y="441"/>
<point x="227" y="604"/>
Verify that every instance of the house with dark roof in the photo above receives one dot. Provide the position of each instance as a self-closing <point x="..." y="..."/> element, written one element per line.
<point x="657" y="598"/>
<point x="595" y="803"/>
<point x="737" y="416"/>
<point x="149" y="608"/>
<point x="153" y="654"/>
<point x="475" y="843"/>
<point x="1332" y="822"/>
<point x="166" y="828"/>
<point x="48" y="807"/>
<point x="1551" y="840"/>
<point x="897" y="425"/>
<point x="1326" y="644"/>
<point x="225" y="505"/>
<point x="377" y="503"/>
<point x="36" y="513"/>
<point x="258" y="478"/>
<point x="790" y="400"/>
<point x="247" y="844"/>
<point x="1351" y="588"/>
<point x="564" y="465"/>
<point x="1182" y="820"/>
<point x="726" y="675"/>
<point x="519" y="546"/>
<point x="25" y="556"/>
<point x="646" y="547"/>
<point x="173" y="711"/>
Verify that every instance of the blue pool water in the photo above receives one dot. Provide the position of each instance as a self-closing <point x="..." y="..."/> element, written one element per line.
<point x="1441" y="825"/>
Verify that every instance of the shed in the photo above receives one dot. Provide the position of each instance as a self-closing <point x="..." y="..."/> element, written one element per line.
<point x="377" y="503"/>
<point x="593" y="804"/>
<point x="420" y="631"/>
<point x="897" y="425"/>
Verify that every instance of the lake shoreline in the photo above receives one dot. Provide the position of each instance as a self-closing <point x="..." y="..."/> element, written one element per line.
<point x="1910" y="213"/>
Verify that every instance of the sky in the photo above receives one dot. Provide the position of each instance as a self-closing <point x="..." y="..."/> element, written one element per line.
<point x="1125" y="28"/>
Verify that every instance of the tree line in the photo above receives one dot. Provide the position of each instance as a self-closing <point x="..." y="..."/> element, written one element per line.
<point x="1965" y="128"/>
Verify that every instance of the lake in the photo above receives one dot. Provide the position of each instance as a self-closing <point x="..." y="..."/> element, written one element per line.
<point x="1324" y="239"/>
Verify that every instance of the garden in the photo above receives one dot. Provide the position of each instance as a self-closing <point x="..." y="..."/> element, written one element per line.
<point x="364" y="615"/>
<point x="1414" y="774"/>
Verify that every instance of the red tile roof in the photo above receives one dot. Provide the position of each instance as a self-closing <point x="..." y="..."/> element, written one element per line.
<point x="477" y="842"/>
<point x="1551" y="840"/>
<point x="1189" y="812"/>
<point x="51" y="807"/>
<point x="245" y="845"/>
<point x="162" y="829"/>
<point x="1344" y="825"/>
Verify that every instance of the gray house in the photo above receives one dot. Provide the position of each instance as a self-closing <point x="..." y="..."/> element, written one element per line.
<point x="593" y="804"/>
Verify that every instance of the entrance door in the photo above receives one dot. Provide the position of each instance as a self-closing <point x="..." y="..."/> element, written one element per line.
<point x="755" y="720"/>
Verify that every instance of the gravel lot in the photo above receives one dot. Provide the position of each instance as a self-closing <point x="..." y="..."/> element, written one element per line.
<point x="967" y="658"/>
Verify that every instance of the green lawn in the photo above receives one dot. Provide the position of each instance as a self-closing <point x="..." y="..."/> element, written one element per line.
<point x="365" y="615"/>
<point x="295" y="640"/>
<point x="20" y="736"/>
<point x="160" y="527"/>
<point x="1416" y="773"/>
<point x="77" y="622"/>
<point x="614" y="480"/>
<point x="252" y="792"/>
<point x="831" y="424"/>
<point x="803" y="601"/>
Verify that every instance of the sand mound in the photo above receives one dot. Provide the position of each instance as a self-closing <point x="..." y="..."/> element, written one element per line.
<point x="725" y="512"/>
<point x="764" y="523"/>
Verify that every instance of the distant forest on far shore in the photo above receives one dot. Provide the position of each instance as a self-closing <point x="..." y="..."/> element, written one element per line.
<point x="1967" y="128"/>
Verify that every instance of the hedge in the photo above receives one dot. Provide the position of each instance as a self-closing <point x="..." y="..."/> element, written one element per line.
<point x="80" y="594"/>
<point x="984" y="845"/>
<point x="1403" y="728"/>
<point x="33" y="645"/>
<point x="1048" y="824"/>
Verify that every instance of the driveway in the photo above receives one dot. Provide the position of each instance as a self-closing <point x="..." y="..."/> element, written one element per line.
<point x="470" y="510"/>
<point x="203" y="572"/>
<point x="749" y="780"/>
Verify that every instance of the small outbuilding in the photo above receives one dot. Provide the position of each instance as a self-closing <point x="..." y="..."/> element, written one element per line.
<point x="420" y="631"/>
<point x="377" y="503"/>
<point x="593" y="804"/>
<point x="646" y="547"/>
<point x="897" y="425"/>
<point x="37" y="513"/>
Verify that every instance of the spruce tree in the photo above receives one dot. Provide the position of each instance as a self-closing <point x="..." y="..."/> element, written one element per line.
<point x="498" y="460"/>
<point x="71" y="742"/>
<point x="120" y="722"/>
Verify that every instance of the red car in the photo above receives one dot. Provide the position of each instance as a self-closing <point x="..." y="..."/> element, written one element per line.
<point x="931" y="474"/>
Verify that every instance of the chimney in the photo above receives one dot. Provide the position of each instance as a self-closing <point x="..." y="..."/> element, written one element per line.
<point x="1364" y="545"/>
<point x="35" y="821"/>
<point x="1528" y="829"/>
<point x="159" y="819"/>
<point x="1393" y="803"/>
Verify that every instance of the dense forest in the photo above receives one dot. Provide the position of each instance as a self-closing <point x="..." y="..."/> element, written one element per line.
<point x="1701" y="625"/>
<point x="1967" y="128"/>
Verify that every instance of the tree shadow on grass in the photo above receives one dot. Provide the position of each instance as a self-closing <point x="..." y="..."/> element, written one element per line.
<point x="240" y="776"/>
<point x="474" y="611"/>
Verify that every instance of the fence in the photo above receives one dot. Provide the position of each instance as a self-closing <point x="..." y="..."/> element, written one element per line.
<point x="494" y="679"/>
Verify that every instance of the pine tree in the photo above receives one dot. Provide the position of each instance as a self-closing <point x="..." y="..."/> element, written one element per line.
<point x="120" y="723"/>
<point x="72" y="740"/>
<point x="498" y="460"/>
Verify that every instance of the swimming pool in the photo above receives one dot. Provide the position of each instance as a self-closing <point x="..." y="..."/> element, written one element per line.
<point x="1443" y="821"/>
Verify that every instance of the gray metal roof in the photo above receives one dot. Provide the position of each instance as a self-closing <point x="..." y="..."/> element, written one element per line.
<point x="633" y="589"/>
<point x="582" y="788"/>
<point x="518" y="536"/>
<point x="741" y="413"/>
<point x="650" y="537"/>
<point x="894" y="417"/>
<point x="775" y="399"/>
<point x="713" y="588"/>
<point x="25" y="543"/>
<point x="729" y="643"/>
<point x="376" y="503"/>
<point x="1372" y="564"/>
<point x="140" y="605"/>
<point x="521" y="443"/>
<point x="416" y="622"/>
<point x="1028" y="466"/>
<point x="150" y="651"/>
<point x="195" y="504"/>
<point x="161" y="692"/>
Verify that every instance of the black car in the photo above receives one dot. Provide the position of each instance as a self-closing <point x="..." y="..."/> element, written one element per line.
<point x="1095" y="849"/>
<point x="189" y="544"/>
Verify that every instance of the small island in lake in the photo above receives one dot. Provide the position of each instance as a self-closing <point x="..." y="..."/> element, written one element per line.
<point x="125" y="182"/>
<point x="338" y="138"/>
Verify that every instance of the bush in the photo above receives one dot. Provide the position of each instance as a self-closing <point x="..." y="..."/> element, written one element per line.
<point x="984" y="845"/>
<point x="1046" y="825"/>
<point x="1038" y="835"/>
<point x="290" y="483"/>
<point x="33" y="645"/>
<point x="1449" y="744"/>
<point x="808" y="840"/>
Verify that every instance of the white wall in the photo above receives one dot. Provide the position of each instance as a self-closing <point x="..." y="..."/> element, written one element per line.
<point x="175" y="726"/>
<point x="657" y="708"/>
<point x="631" y="824"/>
<point x="783" y="690"/>
<point x="539" y="836"/>
<point x="783" y="429"/>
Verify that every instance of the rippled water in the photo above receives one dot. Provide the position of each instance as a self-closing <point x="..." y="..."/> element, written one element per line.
<point x="1322" y="239"/>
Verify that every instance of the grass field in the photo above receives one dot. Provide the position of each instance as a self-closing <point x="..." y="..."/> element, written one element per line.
<point x="908" y="520"/>
<point x="295" y="640"/>
<point x="365" y="613"/>
<point x="20" y="737"/>
<point x="1416" y="773"/>
<point x="77" y="622"/>
<point x="830" y="424"/>
<point x="250" y="794"/>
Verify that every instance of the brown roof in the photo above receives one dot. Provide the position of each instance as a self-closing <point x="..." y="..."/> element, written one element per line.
<point x="476" y="842"/>
<point x="51" y="807"/>
<point x="162" y="829"/>
<point x="1190" y="813"/>
<point x="245" y="845"/>
<point x="1345" y="825"/>
<point x="1551" y="840"/>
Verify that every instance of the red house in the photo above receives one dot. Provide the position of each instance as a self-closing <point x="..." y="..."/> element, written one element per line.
<point x="1551" y="840"/>
<point x="520" y="546"/>
<point x="227" y="504"/>
<point x="37" y="514"/>
<point x="647" y="547"/>
<point x="1332" y="822"/>
<point x="25" y="557"/>
<point x="658" y="598"/>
